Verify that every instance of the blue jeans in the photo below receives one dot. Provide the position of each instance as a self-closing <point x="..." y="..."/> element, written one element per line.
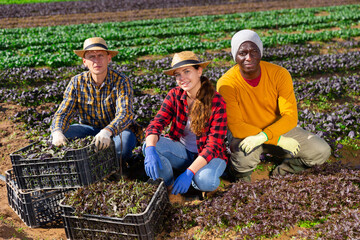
<point x="174" y="155"/>
<point x="128" y="138"/>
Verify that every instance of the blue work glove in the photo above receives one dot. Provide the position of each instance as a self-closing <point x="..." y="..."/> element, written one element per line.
<point x="152" y="161"/>
<point x="182" y="183"/>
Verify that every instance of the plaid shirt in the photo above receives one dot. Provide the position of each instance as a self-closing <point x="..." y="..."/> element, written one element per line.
<point x="107" y="106"/>
<point x="175" y="109"/>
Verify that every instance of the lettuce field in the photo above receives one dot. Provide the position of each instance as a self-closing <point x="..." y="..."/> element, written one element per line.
<point x="317" y="41"/>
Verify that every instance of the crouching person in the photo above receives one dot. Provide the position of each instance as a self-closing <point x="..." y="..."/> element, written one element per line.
<point x="195" y="144"/>
<point x="103" y="99"/>
<point x="262" y="114"/>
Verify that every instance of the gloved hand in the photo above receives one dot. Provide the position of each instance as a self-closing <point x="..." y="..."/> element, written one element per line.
<point x="251" y="142"/>
<point x="58" y="138"/>
<point x="289" y="144"/>
<point x="102" y="139"/>
<point x="182" y="183"/>
<point x="151" y="161"/>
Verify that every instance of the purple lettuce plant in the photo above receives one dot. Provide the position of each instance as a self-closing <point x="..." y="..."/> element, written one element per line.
<point x="268" y="207"/>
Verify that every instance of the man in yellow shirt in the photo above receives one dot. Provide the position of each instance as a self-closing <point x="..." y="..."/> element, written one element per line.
<point x="262" y="113"/>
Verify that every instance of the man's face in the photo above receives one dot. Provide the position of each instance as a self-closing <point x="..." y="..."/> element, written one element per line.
<point x="248" y="58"/>
<point x="97" y="61"/>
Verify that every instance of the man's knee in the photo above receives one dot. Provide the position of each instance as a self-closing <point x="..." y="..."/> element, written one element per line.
<point x="324" y="152"/>
<point x="318" y="154"/>
<point x="241" y="163"/>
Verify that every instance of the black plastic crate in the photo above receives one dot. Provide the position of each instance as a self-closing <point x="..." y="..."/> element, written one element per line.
<point x="77" y="168"/>
<point x="141" y="226"/>
<point x="35" y="208"/>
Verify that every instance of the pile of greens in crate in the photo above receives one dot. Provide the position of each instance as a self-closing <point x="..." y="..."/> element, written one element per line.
<point x="111" y="199"/>
<point x="45" y="149"/>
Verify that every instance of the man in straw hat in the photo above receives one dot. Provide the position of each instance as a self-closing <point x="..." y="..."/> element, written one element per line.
<point x="262" y="113"/>
<point x="195" y="143"/>
<point x="103" y="99"/>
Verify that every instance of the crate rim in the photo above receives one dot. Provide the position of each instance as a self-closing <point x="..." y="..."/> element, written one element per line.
<point x="78" y="158"/>
<point x="29" y="191"/>
<point x="96" y="217"/>
<point x="16" y="153"/>
<point x="7" y="175"/>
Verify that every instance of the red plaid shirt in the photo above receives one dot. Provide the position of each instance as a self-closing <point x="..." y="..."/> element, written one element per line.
<point x="174" y="109"/>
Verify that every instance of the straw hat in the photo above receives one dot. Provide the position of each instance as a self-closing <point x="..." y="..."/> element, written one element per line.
<point x="95" y="43"/>
<point x="183" y="59"/>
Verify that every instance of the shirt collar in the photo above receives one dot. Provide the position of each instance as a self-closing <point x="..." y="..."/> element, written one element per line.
<point x="183" y="98"/>
<point x="106" y="80"/>
<point x="183" y="95"/>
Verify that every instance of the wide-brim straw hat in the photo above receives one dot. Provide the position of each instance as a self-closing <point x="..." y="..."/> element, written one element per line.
<point x="183" y="59"/>
<point x="93" y="44"/>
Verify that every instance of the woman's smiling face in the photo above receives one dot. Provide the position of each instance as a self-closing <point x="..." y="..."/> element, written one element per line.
<point x="188" y="78"/>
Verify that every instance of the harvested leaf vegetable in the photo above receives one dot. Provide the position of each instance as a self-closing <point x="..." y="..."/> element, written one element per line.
<point x="111" y="199"/>
<point x="45" y="149"/>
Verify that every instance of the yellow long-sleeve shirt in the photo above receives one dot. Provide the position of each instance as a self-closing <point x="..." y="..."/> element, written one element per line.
<point x="269" y="107"/>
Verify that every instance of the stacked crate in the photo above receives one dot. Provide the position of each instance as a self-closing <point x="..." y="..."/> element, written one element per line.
<point x="35" y="186"/>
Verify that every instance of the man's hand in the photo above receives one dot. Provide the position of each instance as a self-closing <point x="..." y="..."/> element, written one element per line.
<point x="251" y="142"/>
<point x="182" y="183"/>
<point x="58" y="138"/>
<point x="151" y="161"/>
<point x="102" y="139"/>
<point x="289" y="144"/>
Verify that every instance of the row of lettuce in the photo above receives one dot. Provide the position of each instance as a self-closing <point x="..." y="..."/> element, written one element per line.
<point x="317" y="96"/>
<point x="323" y="201"/>
<point x="52" y="46"/>
<point x="14" y="82"/>
<point x="29" y="1"/>
<point x="327" y="87"/>
<point x="25" y="80"/>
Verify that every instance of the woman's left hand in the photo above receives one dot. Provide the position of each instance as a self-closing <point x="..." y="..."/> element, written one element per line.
<point x="182" y="183"/>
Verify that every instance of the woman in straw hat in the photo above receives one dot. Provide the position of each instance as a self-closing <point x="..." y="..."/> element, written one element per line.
<point x="103" y="99"/>
<point x="195" y="143"/>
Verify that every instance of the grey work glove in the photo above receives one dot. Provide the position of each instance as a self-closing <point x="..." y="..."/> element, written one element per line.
<point x="58" y="138"/>
<point x="102" y="139"/>
<point x="289" y="144"/>
<point x="251" y="142"/>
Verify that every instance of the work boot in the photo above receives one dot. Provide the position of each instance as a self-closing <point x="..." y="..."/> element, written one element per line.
<point x="242" y="176"/>
<point x="246" y="177"/>
<point x="293" y="165"/>
<point x="193" y="194"/>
